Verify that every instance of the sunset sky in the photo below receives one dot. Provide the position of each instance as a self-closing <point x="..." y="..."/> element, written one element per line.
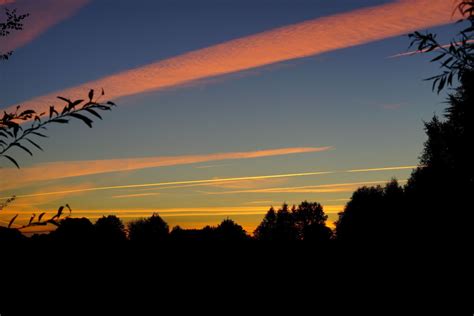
<point x="225" y="107"/>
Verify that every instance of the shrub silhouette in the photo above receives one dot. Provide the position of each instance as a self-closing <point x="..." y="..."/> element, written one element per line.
<point x="110" y="229"/>
<point x="74" y="230"/>
<point x="9" y="235"/>
<point x="230" y="231"/>
<point x="152" y="229"/>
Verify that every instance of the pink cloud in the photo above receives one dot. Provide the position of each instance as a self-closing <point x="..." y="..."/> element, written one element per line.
<point x="299" y="40"/>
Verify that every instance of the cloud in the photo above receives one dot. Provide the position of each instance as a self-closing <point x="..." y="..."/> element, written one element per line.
<point x="416" y="52"/>
<point x="44" y="14"/>
<point x="299" y="40"/>
<point x="137" y="195"/>
<point x="205" y="181"/>
<point x="66" y="169"/>
<point x="323" y="188"/>
<point x="247" y="184"/>
<point x="381" y="169"/>
<point x="3" y="2"/>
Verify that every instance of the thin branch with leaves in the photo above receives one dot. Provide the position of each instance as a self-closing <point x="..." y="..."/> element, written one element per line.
<point x="456" y="59"/>
<point x="14" y="135"/>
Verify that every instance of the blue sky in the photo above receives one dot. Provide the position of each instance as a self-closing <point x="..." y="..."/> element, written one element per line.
<point x="368" y="107"/>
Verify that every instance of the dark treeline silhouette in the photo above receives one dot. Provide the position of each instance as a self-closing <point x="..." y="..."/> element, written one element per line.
<point x="305" y="222"/>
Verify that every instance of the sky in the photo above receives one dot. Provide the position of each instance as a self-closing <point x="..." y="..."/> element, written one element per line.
<point x="225" y="107"/>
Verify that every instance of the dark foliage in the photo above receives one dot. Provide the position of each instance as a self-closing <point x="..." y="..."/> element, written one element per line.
<point x="152" y="229"/>
<point x="374" y="214"/>
<point x="74" y="230"/>
<point x="14" y="22"/>
<point x="9" y="235"/>
<point x="15" y="132"/>
<point x="110" y="229"/>
<point x="434" y="204"/>
<point x="306" y="222"/>
<point x="226" y="231"/>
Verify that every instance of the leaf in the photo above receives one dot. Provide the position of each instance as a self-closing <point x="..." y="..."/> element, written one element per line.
<point x="31" y="219"/>
<point x="69" y="208"/>
<point x="23" y="147"/>
<point x="52" y="111"/>
<point x="441" y="84"/>
<point x="12" y="160"/>
<point x="91" y="111"/>
<point x="75" y="103"/>
<point x="60" y="211"/>
<point x="27" y="112"/>
<point x="438" y="57"/>
<point x="41" y="216"/>
<point x="83" y="118"/>
<point x="12" y="221"/>
<point x="62" y="121"/>
<point x="65" y="100"/>
<point x="39" y="134"/>
<point x="34" y="144"/>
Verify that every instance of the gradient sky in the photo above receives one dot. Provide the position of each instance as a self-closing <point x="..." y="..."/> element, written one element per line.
<point x="217" y="119"/>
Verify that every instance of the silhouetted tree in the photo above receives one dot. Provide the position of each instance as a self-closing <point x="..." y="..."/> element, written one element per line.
<point x="266" y="229"/>
<point x="285" y="228"/>
<point x="442" y="187"/>
<point x="305" y="222"/>
<point x="151" y="229"/>
<point x="374" y="214"/>
<point x="230" y="231"/>
<point x="310" y="222"/>
<point x="179" y="234"/>
<point x="76" y="230"/>
<point x="110" y="229"/>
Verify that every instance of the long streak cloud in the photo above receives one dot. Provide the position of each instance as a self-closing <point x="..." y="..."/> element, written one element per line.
<point x="67" y="169"/>
<point x="285" y="43"/>
<point x="205" y="181"/>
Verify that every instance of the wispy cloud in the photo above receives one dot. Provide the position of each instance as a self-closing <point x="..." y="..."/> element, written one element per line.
<point x="2" y="2"/>
<point x="208" y="181"/>
<point x="285" y="43"/>
<point x="67" y="169"/>
<point x="416" y="52"/>
<point x="323" y="188"/>
<point x="381" y="169"/>
<point x="137" y="195"/>
<point x="44" y="14"/>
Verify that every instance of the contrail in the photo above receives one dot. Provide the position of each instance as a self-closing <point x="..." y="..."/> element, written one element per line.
<point x="299" y="40"/>
<point x="68" y="169"/>
<point x="208" y="181"/>
<point x="416" y="52"/>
